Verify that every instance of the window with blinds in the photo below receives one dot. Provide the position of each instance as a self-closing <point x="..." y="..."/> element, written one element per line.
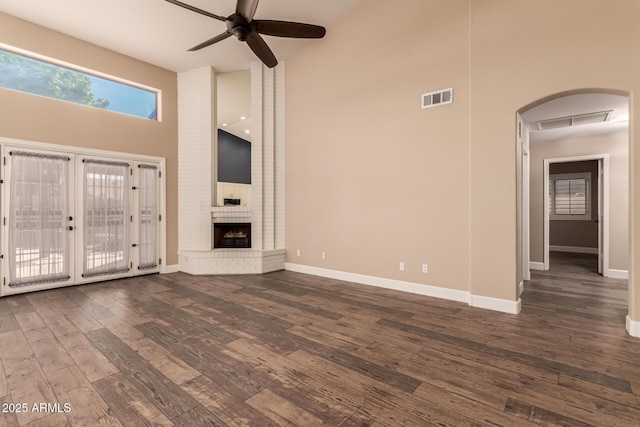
<point x="570" y="196"/>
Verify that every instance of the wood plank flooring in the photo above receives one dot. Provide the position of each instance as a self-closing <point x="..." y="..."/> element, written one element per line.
<point x="287" y="349"/>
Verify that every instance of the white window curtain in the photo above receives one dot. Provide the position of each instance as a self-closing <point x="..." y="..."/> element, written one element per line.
<point x="106" y="218"/>
<point x="148" y="216"/>
<point x="38" y="219"/>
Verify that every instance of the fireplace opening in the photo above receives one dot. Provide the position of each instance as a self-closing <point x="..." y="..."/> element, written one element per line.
<point x="231" y="235"/>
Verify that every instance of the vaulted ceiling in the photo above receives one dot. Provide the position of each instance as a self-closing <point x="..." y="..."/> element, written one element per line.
<point x="160" y="33"/>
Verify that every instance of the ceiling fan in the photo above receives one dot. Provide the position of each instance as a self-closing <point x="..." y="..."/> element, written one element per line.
<point x="242" y="25"/>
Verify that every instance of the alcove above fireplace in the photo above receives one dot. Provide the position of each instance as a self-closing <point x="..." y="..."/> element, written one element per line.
<point x="231" y="235"/>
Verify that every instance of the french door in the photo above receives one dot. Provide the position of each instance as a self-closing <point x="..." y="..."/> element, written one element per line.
<point x="70" y="218"/>
<point x="104" y="218"/>
<point x="38" y="220"/>
<point x="146" y="230"/>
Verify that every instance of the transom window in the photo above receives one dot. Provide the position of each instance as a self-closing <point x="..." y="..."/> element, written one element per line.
<point x="570" y="196"/>
<point x="25" y="73"/>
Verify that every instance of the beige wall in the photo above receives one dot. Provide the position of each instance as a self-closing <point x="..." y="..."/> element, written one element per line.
<point x="522" y="51"/>
<point x="373" y="180"/>
<point x="617" y="146"/>
<point x="34" y="118"/>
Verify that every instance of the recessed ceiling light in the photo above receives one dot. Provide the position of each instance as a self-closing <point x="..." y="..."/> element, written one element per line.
<point x="247" y="131"/>
<point x="224" y="124"/>
<point x="242" y="118"/>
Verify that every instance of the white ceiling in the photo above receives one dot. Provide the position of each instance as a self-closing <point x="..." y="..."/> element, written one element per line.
<point x="577" y="104"/>
<point x="160" y="33"/>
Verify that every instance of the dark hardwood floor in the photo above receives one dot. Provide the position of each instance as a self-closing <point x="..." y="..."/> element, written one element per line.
<point x="296" y="350"/>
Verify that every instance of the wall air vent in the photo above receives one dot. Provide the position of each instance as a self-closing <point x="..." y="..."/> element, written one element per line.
<point x="439" y="97"/>
<point x="580" y="119"/>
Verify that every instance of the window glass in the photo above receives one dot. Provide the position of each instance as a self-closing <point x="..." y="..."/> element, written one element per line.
<point x="570" y="196"/>
<point x="25" y="74"/>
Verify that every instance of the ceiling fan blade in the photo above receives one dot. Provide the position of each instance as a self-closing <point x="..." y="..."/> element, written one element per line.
<point x="262" y="51"/>
<point x="195" y="9"/>
<point x="289" y="29"/>
<point x="247" y="8"/>
<point x="211" y="41"/>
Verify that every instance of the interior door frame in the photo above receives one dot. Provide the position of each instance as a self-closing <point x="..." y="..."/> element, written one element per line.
<point x="603" y="206"/>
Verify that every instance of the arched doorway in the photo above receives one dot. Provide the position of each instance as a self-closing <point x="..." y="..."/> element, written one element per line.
<point x="559" y="132"/>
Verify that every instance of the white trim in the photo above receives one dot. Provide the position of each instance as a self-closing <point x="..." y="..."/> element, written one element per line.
<point x="414" y="288"/>
<point x="381" y="282"/>
<point x="496" y="304"/>
<point x="573" y="249"/>
<point x="633" y="327"/>
<point x="534" y="265"/>
<point x="167" y="269"/>
<point x="46" y="146"/>
<point x="616" y="274"/>
<point x="520" y="289"/>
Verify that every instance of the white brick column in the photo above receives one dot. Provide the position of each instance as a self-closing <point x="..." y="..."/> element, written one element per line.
<point x="267" y="156"/>
<point x="196" y="129"/>
<point x="279" y="157"/>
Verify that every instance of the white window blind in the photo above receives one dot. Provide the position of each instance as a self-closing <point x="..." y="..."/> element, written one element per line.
<point x="106" y="218"/>
<point x="570" y="196"/>
<point x="38" y="219"/>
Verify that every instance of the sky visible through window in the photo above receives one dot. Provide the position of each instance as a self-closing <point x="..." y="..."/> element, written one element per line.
<point x="25" y="74"/>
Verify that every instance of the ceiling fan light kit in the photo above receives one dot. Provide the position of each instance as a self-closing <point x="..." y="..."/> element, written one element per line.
<point x="242" y="25"/>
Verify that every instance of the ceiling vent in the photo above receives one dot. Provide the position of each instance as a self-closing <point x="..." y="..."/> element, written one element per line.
<point x="439" y="97"/>
<point x="580" y="119"/>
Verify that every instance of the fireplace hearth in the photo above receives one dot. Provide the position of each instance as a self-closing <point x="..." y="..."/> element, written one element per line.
<point x="231" y="235"/>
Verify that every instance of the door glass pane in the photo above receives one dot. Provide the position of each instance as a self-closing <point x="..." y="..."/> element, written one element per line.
<point x="38" y="219"/>
<point x="106" y="212"/>
<point x="148" y="217"/>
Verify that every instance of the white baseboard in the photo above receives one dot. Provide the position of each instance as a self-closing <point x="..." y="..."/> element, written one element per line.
<point x="534" y="265"/>
<point x="503" y="305"/>
<point x="414" y="288"/>
<point x="573" y="249"/>
<point x="633" y="327"/>
<point x="171" y="269"/>
<point x="398" y="285"/>
<point x="617" y="274"/>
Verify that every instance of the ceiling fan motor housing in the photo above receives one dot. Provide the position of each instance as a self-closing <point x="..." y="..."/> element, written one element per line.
<point x="239" y="27"/>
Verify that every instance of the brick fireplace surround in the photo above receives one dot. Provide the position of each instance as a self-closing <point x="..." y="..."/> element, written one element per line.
<point x="196" y="151"/>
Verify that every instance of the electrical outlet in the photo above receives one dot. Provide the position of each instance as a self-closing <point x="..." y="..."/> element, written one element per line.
<point x="324" y="255"/>
<point x="402" y="266"/>
<point x="425" y="268"/>
<point x="297" y="252"/>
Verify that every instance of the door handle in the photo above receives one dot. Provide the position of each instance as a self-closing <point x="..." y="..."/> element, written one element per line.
<point x="70" y="228"/>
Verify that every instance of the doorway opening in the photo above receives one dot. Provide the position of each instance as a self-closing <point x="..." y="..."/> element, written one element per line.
<point x="590" y="223"/>
<point x="576" y="208"/>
